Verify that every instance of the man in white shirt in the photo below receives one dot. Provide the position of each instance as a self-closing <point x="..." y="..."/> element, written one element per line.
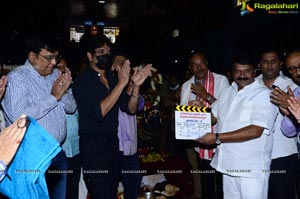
<point x="202" y="89"/>
<point x="284" y="151"/>
<point x="245" y="119"/>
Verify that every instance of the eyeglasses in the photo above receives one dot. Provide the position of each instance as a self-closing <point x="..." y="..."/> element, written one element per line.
<point x="293" y="69"/>
<point x="49" y="58"/>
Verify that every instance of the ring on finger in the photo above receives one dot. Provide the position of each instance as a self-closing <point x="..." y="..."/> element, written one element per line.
<point x="21" y="124"/>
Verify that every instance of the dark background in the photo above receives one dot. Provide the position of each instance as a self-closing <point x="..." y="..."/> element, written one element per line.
<point x="213" y="26"/>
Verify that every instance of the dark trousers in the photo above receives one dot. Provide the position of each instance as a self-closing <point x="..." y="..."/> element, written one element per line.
<point x="56" y="176"/>
<point x="211" y="181"/>
<point x="131" y="180"/>
<point x="73" y="177"/>
<point x="101" y="163"/>
<point x="282" y="181"/>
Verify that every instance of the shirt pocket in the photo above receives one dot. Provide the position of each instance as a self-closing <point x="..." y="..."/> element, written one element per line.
<point x="246" y="111"/>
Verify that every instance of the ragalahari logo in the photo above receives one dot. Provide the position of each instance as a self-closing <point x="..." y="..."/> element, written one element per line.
<point x="245" y="9"/>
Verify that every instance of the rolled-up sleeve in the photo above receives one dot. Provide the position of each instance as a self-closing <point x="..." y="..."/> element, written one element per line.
<point x="264" y="113"/>
<point x="69" y="102"/>
<point x="289" y="128"/>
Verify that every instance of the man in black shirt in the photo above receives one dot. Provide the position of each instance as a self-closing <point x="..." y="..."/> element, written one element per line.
<point x="99" y="95"/>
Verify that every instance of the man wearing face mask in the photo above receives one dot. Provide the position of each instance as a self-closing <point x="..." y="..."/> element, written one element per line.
<point x="99" y="95"/>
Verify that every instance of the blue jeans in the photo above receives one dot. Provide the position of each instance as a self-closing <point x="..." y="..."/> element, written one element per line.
<point x="56" y="176"/>
<point x="131" y="181"/>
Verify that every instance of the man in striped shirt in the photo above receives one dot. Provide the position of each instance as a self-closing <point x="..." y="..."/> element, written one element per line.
<point x="39" y="90"/>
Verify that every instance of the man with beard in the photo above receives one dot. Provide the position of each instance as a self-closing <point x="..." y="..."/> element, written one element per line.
<point x="245" y="118"/>
<point x="99" y="95"/>
<point x="202" y="89"/>
<point x="289" y="124"/>
<point x="278" y="96"/>
<point x="284" y="152"/>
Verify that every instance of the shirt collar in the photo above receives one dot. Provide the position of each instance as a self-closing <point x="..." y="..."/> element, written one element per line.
<point x="278" y="79"/>
<point x="34" y="72"/>
<point x="96" y="74"/>
<point x="92" y="71"/>
<point x="235" y="86"/>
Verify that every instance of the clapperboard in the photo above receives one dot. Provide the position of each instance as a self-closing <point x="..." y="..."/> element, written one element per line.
<point x="192" y="122"/>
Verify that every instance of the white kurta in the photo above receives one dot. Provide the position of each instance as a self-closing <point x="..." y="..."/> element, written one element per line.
<point x="220" y="84"/>
<point x="282" y="145"/>
<point x="237" y="109"/>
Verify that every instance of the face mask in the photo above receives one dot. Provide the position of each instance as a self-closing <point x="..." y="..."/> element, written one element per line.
<point x="104" y="62"/>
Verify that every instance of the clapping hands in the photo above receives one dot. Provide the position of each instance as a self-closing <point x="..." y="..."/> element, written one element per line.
<point x="138" y="77"/>
<point x="62" y="84"/>
<point x="294" y="107"/>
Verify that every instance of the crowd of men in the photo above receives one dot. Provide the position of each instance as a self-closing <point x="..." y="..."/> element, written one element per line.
<point x="253" y="136"/>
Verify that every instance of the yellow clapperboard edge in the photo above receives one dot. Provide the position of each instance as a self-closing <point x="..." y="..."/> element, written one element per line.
<point x="193" y="109"/>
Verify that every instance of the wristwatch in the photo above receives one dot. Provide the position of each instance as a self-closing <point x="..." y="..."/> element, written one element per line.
<point x="2" y="170"/>
<point x="218" y="141"/>
<point x="209" y="98"/>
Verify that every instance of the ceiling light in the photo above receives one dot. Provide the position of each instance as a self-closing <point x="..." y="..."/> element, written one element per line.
<point x="111" y="9"/>
<point x="101" y="1"/>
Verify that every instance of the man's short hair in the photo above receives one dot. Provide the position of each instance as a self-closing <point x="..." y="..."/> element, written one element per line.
<point x="35" y="43"/>
<point x="244" y="58"/>
<point x="269" y="50"/>
<point x="197" y="53"/>
<point x="96" y="41"/>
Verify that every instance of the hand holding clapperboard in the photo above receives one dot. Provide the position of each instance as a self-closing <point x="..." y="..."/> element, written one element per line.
<point x="192" y="122"/>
